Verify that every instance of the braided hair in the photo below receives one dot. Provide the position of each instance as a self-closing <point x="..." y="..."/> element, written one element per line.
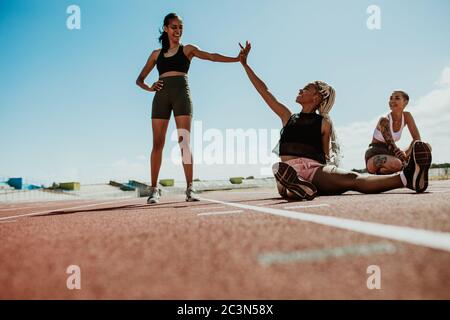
<point x="328" y="96"/>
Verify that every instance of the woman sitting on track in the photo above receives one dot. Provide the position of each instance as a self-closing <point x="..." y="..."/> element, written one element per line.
<point x="305" y="147"/>
<point x="383" y="155"/>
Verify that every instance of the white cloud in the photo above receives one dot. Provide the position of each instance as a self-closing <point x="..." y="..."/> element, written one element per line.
<point x="431" y="114"/>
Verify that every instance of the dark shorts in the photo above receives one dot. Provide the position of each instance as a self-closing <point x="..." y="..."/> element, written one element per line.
<point x="376" y="149"/>
<point x="175" y="95"/>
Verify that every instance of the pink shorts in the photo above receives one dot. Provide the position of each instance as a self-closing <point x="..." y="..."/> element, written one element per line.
<point x="306" y="168"/>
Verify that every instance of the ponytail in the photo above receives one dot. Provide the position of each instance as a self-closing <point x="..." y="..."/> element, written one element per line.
<point x="328" y="96"/>
<point x="164" y="40"/>
<point x="164" y="37"/>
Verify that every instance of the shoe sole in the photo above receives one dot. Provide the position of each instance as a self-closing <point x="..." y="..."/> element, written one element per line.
<point x="192" y="200"/>
<point x="422" y="159"/>
<point x="282" y="191"/>
<point x="287" y="177"/>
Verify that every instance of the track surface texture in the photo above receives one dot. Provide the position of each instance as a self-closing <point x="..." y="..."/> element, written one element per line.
<point x="230" y="245"/>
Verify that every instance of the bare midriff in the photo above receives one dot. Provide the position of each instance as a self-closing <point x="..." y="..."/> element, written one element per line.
<point x="287" y="158"/>
<point x="172" y="74"/>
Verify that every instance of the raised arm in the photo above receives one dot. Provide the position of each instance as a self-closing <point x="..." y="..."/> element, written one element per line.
<point x="194" y="51"/>
<point x="151" y="61"/>
<point x="280" y="109"/>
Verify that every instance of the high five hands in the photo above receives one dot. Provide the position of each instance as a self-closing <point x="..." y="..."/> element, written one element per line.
<point x="244" y="52"/>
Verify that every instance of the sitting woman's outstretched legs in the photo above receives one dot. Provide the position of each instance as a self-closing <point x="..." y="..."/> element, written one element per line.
<point x="330" y="180"/>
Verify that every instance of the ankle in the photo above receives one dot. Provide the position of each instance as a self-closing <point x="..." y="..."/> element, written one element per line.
<point x="403" y="178"/>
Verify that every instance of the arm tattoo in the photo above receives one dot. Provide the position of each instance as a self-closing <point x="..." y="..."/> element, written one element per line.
<point x="387" y="135"/>
<point x="379" y="161"/>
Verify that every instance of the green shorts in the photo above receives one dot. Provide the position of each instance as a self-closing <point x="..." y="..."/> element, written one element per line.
<point x="377" y="149"/>
<point x="174" y="95"/>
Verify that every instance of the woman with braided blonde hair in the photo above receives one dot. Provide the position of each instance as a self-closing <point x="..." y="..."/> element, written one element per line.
<point x="308" y="143"/>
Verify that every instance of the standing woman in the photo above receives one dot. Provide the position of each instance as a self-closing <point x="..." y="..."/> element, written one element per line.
<point x="172" y="93"/>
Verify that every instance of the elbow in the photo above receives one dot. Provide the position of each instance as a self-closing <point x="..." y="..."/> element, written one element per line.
<point x="212" y="57"/>
<point x="138" y="82"/>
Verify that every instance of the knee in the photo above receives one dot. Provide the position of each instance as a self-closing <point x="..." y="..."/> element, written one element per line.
<point x="349" y="180"/>
<point x="352" y="175"/>
<point x="392" y="166"/>
<point x="396" y="165"/>
<point x="184" y="143"/>
<point x="371" y="168"/>
<point x="158" y="144"/>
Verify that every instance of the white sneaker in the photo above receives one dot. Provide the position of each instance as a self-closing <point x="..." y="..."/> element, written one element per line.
<point x="191" y="194"/>
<point x="155" y="194"/>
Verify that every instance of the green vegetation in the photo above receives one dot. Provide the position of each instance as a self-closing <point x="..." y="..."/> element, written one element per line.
<point x="167" y="182"/>
<point x="440" y="165"/>
<point x="236" y="180"/>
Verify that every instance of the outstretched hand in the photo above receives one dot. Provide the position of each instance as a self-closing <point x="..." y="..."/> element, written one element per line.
<point x="244" y="52"/>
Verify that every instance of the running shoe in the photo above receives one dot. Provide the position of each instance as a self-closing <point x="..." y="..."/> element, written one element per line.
<point x="287" y="177"/>
<point x="282" y="190"/>
<point x="191" y="194"/>
<point x="416" y="171"/>
<point x="155" y="194"/>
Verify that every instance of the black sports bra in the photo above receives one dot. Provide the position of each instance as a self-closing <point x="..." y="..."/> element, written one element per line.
<point x="177" y="62"/>
<point x="302" y="137"/>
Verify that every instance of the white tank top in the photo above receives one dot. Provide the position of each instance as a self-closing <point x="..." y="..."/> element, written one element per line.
<point x="395" y="135"/>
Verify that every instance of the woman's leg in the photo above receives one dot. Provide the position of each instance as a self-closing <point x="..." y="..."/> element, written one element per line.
<point x="184" y="135"/>
<point x="332" y="180"/>
<point x="384" y="164"/>
<point x="159" y="128"/>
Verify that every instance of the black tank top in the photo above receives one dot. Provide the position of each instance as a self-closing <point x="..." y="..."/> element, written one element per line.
<point x="302" y="137"/>
<point x="177" y="62"/>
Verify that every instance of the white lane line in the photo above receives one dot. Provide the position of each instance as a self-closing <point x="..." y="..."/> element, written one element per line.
<point x="440" y="191"/>
<point x="426" y="238"/>
<point x="8" y="221"/>
<point x="278" y="257"/>
<point x="28" y="207"/>
<point x="219" y="212"/>
<point x="63" y="209"/>
<point x="308" y="206"/>
<point x="207" y="208"/>
<point x="262" y="203"/>
<point x="258" y="192"/>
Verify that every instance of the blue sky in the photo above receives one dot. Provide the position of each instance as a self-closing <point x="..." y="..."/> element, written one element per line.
<point x="70" y="109"/>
